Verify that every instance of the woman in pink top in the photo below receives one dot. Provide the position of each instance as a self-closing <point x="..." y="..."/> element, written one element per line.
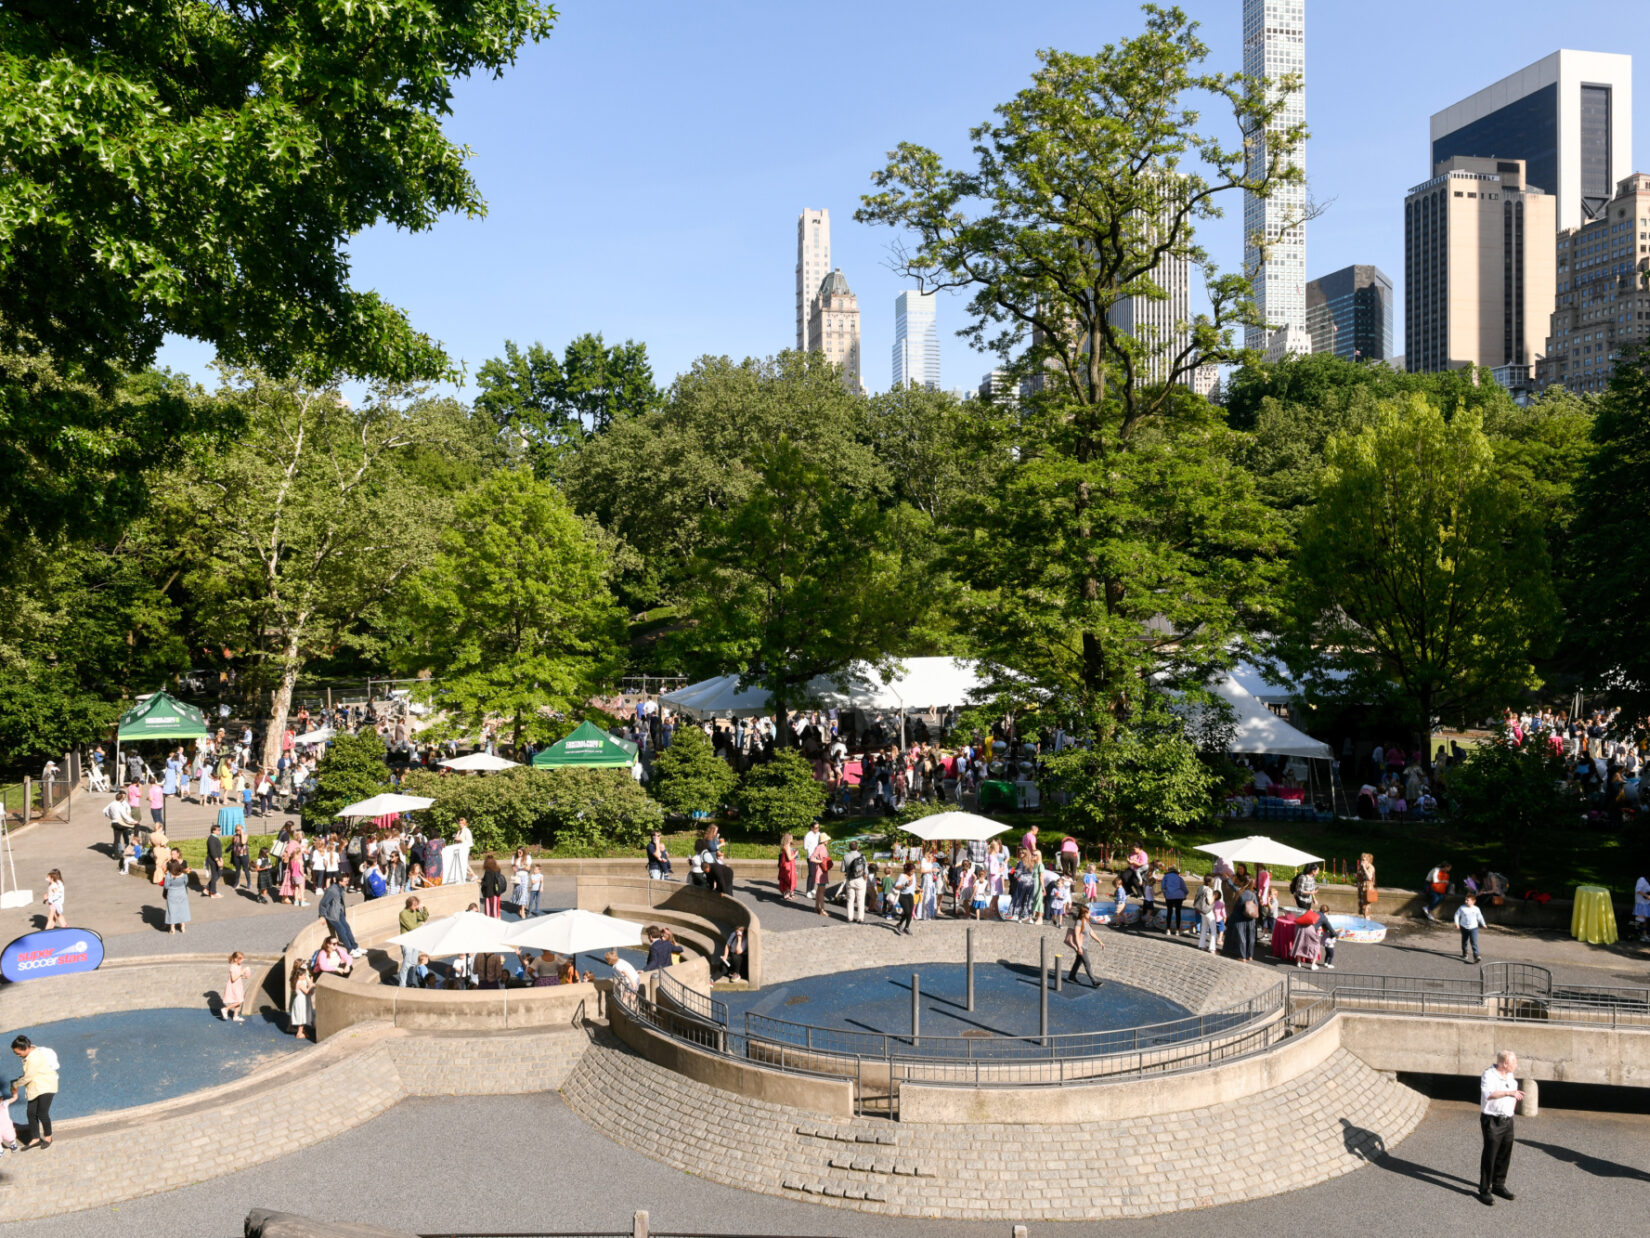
<point x="134" y="797"/>
<point x="157" y="803"/>
<point x="333" y="958"/>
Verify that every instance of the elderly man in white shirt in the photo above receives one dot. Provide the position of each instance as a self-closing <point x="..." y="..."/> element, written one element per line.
<point x="1500" y="1094"/>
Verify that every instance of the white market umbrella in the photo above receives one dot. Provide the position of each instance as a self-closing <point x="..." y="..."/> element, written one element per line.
<point x="484" y="762"/>
<point x="319" y="736"/>
<point x="466" y="932"/>
<point x="384" y="805"/>
<point x="1259" y="849"/>
<point x="963" y="827"/>
<point x="574" y="932"/>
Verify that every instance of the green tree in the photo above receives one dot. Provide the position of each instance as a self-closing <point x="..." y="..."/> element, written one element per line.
<point x="549" y="407"/>
<point x="304" y="525"/>
<point x="780" y="795"/>
<point x="800" y="580"/>
<point x="1420" y="569"/>
<point x="1610" y="620"/>
<point x="1511" y="793"/>
<point x="696" y="456"/>
<point x="199" y="167"/>
<point x="353" y="770"/>
<point x="505" y="810"/>
<point x="513" y="615"/>
<point x="688" y="776"/>
<point x="594" y="811"/>
<point x="1121" y="543"/>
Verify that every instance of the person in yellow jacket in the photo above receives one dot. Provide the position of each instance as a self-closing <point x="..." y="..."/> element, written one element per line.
<point x="38" y="1083"/>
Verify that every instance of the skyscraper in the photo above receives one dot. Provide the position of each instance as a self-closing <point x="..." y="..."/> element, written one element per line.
<point x="1349" y="313"/>
<point x="916" y="341"/>
<point x="833" y="328"/>
<point x="1478" y="267"/>
<point x="1162" y="325"/>
<point x="1568" y="116"/>
<point x="813" y="264"/>
<point x="1274" y="227"/>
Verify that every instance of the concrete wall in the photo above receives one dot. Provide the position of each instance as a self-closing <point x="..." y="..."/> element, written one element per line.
<point x="1546" y="1051"/>
<point x="599" y="892"/>
<point x="343" y="1003"/>
<point x="1103" y="1102"/>
<point x="829" y="1096"/>
<point x="170" y="980"/>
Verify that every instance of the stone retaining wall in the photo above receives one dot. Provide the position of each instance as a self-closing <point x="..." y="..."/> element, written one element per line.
<point x="344" y="1003"/>
<point x="105" y="1160"/>
<point x="599" y="892"/>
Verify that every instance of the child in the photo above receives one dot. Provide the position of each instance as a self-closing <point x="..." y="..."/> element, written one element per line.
<point x="1059" y="900"/>
<point x="1220" y="919"/>
<point x="265" y="873"/>
<point x="1120" y="905"/>
<point x="234" y="989"/>
<point x="1091" y="885"/>
<point x="422" y="977"/>
<point x="1148" y="897"/>
<point x="982" y="890"/>
<point x="964" y="894"/>
<point x="133" y="854"/>
<point x="535" y="890"/>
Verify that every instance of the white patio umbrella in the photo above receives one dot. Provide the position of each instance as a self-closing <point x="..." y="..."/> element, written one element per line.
<point x="465" y="932"/>
<point x="573" y="933"/>
<point x="961" y="827"/>
<point x="319" y="736"/>
<point x="1259" y="849"/>
<point x="484" y="762"/>
<point x="385" y="804"/>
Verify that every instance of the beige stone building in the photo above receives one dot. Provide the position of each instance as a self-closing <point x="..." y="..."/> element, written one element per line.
<point x="1478" y="265"/>
<point x="833" y="328"/>
<point x="1603" y="291"/>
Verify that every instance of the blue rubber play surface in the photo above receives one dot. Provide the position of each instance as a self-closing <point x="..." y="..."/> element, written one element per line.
<point x="135" y="1057"/>
<point x="1005" y="1001"/>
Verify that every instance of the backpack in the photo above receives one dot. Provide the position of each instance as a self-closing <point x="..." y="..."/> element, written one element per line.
<point x="376" y="887"/>
<point x="854" y="869"/>
<point x="1295" y="885"/>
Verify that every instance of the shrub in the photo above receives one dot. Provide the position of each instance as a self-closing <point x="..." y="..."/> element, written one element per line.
<point x="505" y="810"/>
<point x="688" y="776"/>
<point x="781" y="795"/>
<point x="353" y="770"/>
<point x="590" y="811"/>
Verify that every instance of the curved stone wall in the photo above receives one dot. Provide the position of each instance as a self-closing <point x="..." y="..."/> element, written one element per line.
<point x="601" y="892"/>
<point x="147" y="983"/>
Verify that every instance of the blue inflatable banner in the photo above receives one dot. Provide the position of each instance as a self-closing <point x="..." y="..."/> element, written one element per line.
<point x="52" y="952"/>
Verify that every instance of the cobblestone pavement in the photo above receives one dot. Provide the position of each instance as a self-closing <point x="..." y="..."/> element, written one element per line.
<point x="513" y="1163"/>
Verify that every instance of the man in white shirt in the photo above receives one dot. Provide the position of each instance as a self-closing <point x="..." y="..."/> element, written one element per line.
<point x="121" y="822"/>
<point x="1641" y="906"/>
<point x="624" y="972"/>
<point x="810" y="840"/>
<point x="1500" y="1094"/>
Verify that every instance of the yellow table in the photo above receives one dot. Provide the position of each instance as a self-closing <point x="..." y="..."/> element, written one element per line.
<point x="1593" y="918"/>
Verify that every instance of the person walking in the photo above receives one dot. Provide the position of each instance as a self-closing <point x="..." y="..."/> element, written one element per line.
<point x="1469" y="919"/>
<point x="787" y="867"/>
<point x="1174" y="901"/>
<point x="854" y="870"/>
<point x="121" y="822"/>
<point x="412" y="915"/>
<point x="1437" y="887"/>
<point x="905" y="895"/>
<point x="54" y="900"/>
<point x="239" y="859"/>
<point x="176" y="885"/>
<point x="492" y="888"/>
<point x="810" y="841"/>
<point x="1078" y="935"/>
<point x="38" y="1083"/>
<point x="214" y="859"/>
<point x="819" y="865"/>
<point x="234" y="989"/>
<point x="332" y="911"/>
<point x="1499" y="1094"/>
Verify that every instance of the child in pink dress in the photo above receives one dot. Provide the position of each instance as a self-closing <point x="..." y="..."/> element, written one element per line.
<point x="234" y="989"/>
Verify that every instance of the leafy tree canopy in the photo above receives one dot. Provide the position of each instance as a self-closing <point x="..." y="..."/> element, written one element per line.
<point x="354" y="770"/>
<point x="688" y="776"/>
<point x="781" y="794"/>
<point x="198" y="167"/>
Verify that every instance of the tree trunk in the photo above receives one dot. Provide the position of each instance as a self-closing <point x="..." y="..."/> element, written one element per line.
<point x="1426" y="734"/>
<point x="280" y="704"/>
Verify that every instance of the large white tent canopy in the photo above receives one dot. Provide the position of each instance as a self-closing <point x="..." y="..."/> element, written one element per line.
<point x="916" y="684"/>
<point x="1260" y="731"/>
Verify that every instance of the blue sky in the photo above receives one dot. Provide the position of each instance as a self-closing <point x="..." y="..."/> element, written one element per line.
<point x="644" y="167"/>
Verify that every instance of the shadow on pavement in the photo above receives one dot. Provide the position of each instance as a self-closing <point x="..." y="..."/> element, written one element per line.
<point x="1366" y="1145"/>
<point x="1597" y="1166"/>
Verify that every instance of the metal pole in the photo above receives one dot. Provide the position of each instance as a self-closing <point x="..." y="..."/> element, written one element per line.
<point x="968" y="936"/>
<point x="1042" y="989"/>
<point x="916" y="1009"/>
<point x="1056" y="971"/>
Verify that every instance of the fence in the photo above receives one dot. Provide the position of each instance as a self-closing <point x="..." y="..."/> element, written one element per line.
<point x="36" y="799"/>
<point x="1509" y="992"/>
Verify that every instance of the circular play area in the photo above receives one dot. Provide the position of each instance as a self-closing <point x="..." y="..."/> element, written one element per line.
<point x="135" y="1057"/>
<point x="1006" y="1013"/>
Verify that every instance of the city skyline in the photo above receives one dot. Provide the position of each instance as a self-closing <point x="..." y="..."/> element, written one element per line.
<point x="1274" y="226"/>
<point x="556" y="257"/>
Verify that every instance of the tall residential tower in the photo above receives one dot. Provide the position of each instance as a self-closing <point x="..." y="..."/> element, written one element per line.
<point x="916" y="341"/>
<point x="813" y="264"/>
<point x="1349" y="313"/>
<point x="1274" y="227"/>
<point x="833" y="326"/>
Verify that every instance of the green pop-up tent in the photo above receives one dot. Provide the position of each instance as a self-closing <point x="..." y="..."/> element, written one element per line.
<point x="588" y="745"/>
<point x="162" y="716"/>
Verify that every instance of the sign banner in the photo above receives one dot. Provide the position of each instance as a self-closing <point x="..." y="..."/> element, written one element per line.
<point x="51" y="952"/>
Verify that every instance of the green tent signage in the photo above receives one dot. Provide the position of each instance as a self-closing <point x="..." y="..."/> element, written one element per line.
<point x="588" y="745"/>
<point x="162" y="716"/>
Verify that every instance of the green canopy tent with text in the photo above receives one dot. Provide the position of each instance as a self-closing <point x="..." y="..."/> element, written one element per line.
<point x="161" y="716"/>
<point x="587" y="746"/>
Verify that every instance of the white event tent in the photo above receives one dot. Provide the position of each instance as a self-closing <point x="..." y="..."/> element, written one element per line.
<point x="1261" y="732"/>
<point x="918" y="684"/>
